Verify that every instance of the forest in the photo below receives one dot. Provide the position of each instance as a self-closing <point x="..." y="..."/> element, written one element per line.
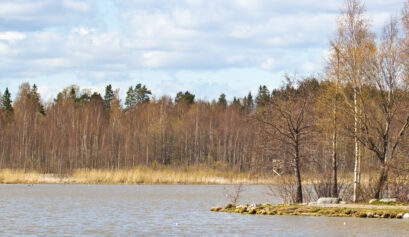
<point x="345" y="125"/>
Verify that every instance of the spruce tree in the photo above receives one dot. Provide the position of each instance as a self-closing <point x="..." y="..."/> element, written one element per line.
<point x="6" y="102"/>
<point x="109" y="95"/>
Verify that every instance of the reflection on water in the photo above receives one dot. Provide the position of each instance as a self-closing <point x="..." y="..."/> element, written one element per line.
<point x="120" y="210"/>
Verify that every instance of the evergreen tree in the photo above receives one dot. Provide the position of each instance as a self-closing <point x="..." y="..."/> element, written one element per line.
<point x="236" y="103"/>
<point x="263" y="96"/>
<point x="186" y="97"/>
<point x="222" y="100"/>
<point x="130" y="97"/>
<point x="35" y="96"/>
<point x="249" y="103"/>
<point x="142" y="93"/>
<point x="6" y="102"/>
<point x="109" y="95"/>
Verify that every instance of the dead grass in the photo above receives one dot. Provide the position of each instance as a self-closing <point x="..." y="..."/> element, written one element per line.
<point x="139" y="175"/>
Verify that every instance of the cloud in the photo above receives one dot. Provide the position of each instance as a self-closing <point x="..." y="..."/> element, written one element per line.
<point x="11" y="36"/>
<point x="94" y="41"/>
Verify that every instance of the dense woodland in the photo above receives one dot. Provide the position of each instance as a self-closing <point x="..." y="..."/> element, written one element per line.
<point x="351" y="119"/>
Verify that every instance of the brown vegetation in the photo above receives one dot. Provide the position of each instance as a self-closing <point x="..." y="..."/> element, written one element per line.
<point x="355" y="119"/>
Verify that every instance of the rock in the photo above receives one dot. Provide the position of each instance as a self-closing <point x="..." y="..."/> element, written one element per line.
<point x="229" y="205"/>
<point x="311" y="203"/>
<point x="342" y="202"/>
<point x="406" y="216"/>
<point x="388" y="200"/>
<point x="399" y="215"/>
<point x="369" y="215"/>
<point x="328" y="200"/>
<point x="372" y="201"/>
<point x="254" y="206"/>
<point x="252" y="211"/>
<point x="216" y="208"/>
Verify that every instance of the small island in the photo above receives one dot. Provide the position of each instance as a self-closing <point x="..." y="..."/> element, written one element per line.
<point x="377" y="209"/>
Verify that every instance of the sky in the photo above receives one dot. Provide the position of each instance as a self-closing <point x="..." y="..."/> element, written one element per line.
<point x="207" y="47"/>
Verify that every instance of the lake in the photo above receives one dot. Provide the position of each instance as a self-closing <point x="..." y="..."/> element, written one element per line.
<point x="162" y="210"/>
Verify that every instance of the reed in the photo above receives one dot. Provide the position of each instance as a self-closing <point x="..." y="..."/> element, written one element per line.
<point x="138" y="175"/>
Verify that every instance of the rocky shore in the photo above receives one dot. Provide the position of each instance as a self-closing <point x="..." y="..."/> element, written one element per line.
<point x="343" y="210"/>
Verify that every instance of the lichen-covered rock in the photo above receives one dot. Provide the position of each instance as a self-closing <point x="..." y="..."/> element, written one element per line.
<point x="229" y="205"/>
<point x="252" y="211"/>
<point x="216" y="208"/>
<point x="387" y="200"/>
<point x="406" y="216"/>
<point x="373" y="201"/>
<point x="399" y="215"/>
<point x="328" y="200"/>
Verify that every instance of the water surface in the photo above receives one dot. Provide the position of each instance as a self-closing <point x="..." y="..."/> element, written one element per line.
<point x="165" y="210"/>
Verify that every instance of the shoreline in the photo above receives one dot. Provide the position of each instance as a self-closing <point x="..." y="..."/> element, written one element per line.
<point x="328" y="210"/>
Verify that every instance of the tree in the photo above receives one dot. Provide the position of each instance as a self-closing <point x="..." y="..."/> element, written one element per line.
<point x="222" y="100"/>
<point x="138" y="95"/>
<point x="130" y="97"/>
<point x="6" y="102"/>
<point x="109" y="94"/>
<point x="383" y="99"/>
<point x="263" y="96"/>
<point x="286" y="119"/>
<point x="142" y="93"/>
<point x="356" y="46"/>
<point x="248" y="103"/>
<point x="186" y="97"/>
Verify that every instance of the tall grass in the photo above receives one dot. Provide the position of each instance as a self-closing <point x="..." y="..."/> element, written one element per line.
<point x="139" y="175"/>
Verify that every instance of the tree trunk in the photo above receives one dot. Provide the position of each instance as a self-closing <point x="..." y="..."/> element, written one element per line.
<point x="383" y="176"/>
<point x="298" y="174"/>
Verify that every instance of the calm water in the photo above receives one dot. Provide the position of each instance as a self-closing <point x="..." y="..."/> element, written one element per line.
<point x="120" y="210"/>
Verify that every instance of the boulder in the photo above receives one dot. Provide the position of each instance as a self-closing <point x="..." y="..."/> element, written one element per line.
<point x="328" y="200"/>
<point x="372" y="201"/>
<point x="388" y="200"/>
<point x="406" y="216"/>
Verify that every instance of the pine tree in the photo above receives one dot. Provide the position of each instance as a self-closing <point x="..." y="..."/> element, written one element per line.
<point x="263" y="96"/>
<point x="222" y="100"/>
<point x="6" y="102"/>
<point x="109" y="95"/>
<point x="186" y="97"/>
<point x="130" y="99"/>
<point x="142" y="93"/>
<point x="35" y="96"/>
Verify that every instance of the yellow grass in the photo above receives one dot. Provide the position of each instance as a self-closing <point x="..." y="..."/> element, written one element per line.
<point x="140" y="175"/>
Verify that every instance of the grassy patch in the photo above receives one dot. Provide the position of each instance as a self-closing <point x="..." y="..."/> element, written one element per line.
<point x="303" y="210"/>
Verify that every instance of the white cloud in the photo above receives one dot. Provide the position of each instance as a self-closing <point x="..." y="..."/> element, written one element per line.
<point x="77" y="5"/>
<point x="11" y="36"/>
<point x="71" y="37"/>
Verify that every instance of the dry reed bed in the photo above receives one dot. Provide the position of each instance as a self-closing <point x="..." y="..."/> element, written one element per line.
<point x="139" y="175"/>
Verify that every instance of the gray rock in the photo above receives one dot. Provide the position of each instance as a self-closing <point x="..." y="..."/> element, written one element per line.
<point x="388" y="200"/>
<point x="406" y="216"/>
<point x="328" y="200"/>
<point x="372" y="201"/>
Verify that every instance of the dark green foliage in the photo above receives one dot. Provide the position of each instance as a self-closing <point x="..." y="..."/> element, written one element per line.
<point x="35" y="96"/>
<point x="186" y="97"/>
<point x="248" y="103"/>
<point x="6" y="102"/>
<point x="263" y="96"/>
<point x="222" y="100"/>
<point x="139" y="94"/>
<point x="109" y="95"/>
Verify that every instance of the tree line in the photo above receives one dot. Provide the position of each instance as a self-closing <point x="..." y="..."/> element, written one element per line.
<point x="353" y="118"/>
